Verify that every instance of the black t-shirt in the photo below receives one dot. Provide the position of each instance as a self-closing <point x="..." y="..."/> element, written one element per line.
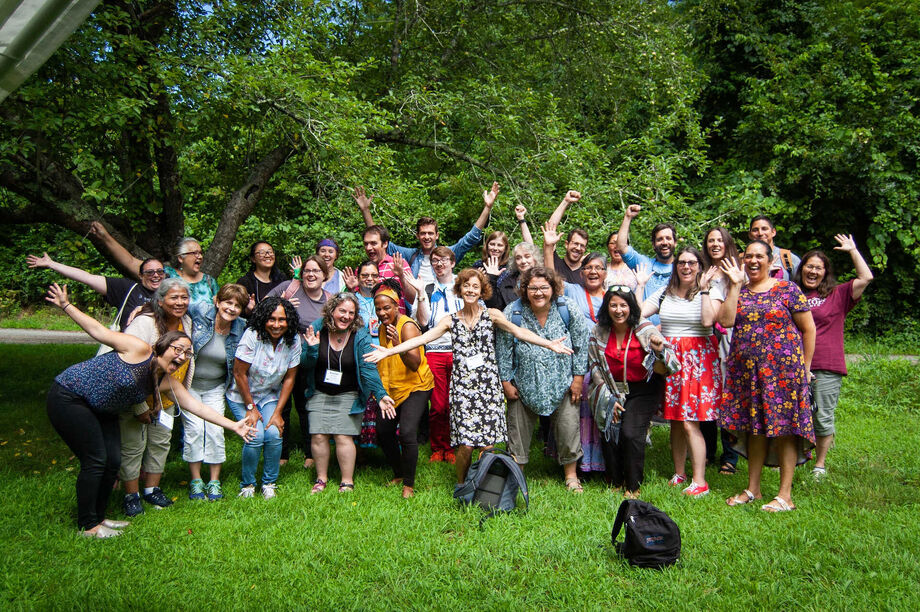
<point x="116" y="289"/>
<point x="343" y="362"/>
<point x="567" y="274"/>
<point x="256" y="287"/>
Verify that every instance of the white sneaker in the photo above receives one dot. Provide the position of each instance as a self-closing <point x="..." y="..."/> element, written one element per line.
<point x="819" y="473"/>
<point x="268" y="490"/>
<point x="248" y="491"/>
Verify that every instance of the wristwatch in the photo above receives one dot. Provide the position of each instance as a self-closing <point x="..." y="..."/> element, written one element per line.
<point x="250" y="407"/>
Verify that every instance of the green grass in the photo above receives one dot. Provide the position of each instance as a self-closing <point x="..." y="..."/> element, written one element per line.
<point x="852" y="543"/>
<point x="41" y="317"/>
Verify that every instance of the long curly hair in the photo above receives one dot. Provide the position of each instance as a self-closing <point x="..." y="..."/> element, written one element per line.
<point x="333" y="302"/>
<point x="263" y="311"/>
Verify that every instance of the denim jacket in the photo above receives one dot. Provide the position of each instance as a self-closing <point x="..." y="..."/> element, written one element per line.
<point x="203" y="316"/>
<point x="412" y="256"/>
<point x="368" y="378"/>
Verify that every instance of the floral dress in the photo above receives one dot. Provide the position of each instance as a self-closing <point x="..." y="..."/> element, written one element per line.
<point x="477" y="405"/>
<point x="766" y="391"/>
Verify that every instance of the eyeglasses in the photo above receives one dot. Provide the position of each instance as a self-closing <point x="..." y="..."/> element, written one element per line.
<point x="440" y="262"/>
<point x="264" y="253"/>
<point x="620" y="288"/>
<point x="687" y="264"/>
<point x="540" y="289"/>
<point x="368" y="275"/>
<point x="157" y="272"/>
<point x="184" y="352"/>
<point x="193" y="253"/>
<point x="312" y="271"/>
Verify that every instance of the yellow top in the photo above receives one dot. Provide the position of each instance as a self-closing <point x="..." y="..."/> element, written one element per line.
<point x="398" y="380"/>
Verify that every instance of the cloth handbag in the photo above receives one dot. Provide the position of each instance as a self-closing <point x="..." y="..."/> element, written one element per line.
<point x="115" y="326"/>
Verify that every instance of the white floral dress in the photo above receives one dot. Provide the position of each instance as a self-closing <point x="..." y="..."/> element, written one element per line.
<point x="477" y="404"/>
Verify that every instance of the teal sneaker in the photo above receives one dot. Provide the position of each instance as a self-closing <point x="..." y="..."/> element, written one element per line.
<point x="196" y="489"/>
<point x="214" y="490"/>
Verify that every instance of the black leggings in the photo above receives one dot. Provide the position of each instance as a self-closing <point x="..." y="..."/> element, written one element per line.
<point x="625" y="459"/>
<point x="408" y="416"/>
<point x="95" y="439"/>
<point x="299" y="399"/>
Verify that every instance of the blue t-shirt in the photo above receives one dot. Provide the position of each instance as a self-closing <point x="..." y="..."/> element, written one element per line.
<point x="661" y="273"/>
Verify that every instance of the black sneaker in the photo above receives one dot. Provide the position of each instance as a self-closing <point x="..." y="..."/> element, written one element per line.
<point x="132" y="505"/>
<point x="157" y="498"/>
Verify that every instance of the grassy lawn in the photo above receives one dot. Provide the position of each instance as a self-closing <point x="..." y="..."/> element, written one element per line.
<point x="851" y="544"/>
<point x="43" y="317"/>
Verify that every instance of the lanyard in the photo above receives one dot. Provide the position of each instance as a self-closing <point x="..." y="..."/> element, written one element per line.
<point x="590" y="306"/>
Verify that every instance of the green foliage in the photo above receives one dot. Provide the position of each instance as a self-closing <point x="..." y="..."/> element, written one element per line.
<point x="372" y="549"/>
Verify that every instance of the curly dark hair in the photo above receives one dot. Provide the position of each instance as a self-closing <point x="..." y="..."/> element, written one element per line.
<point x="603" y="317"/>
<point x="540" y="272"/>
<point x="264" y="310"/>
<point x="827" y="283"/>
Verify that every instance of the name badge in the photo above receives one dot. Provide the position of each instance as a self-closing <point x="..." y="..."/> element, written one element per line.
<point x="333" y="377"/>
<point x="166" y="419"/>
<point x="372" y="326"/>
<point x="475" y="361"/>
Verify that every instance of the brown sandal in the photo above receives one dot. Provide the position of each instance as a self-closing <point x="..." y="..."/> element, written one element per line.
<point x="574" y="485"/>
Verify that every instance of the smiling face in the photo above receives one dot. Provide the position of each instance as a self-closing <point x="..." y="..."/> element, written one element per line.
<point x="594" y="273"/>
<point x="191" y="257"/>
<point x="618" y="310"/>
<point x="756" y="262"/>
<point x="443" y="267"/>
<point x="813" y="272"/>
<point x="263" y="256"/>
<point x="575" y="248"/>
<point x="664" y="244"/>
<point x="470" y="290"/>
<point x="715" y="246"/>
<point x="152" y="274"/>
<point x="328" y="254"/>
<point x="615" y="257"/>
<point x="228" y="310"/>
<point x="368" y="277"/>
<point x="497" y="248"/>
<point x="277" y="324"/>
<point x="539" y="293"/>
<point x="762" y="230"/>
<point x="387" y="310"/>
<point x="343" y="315"/>
<point x="175" y="303"/>
<point x="312" y="276"/>
<point x="176" y="354"/>
<point x="523" y="259"/>
<point x="427" y="237"/>
<point x="687" y="268"/>
<point x="374" y="248"/>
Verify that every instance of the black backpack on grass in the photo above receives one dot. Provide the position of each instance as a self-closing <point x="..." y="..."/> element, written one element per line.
<point x="652" y="538"/>
<point x="493" y="483"/>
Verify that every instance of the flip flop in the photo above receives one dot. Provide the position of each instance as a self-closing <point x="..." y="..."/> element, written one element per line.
<point x="738" y="500"/>
<point x="778" y="505"/>
<point x="728" y="469"/>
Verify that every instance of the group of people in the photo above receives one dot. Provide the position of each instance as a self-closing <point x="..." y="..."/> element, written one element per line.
<point x="588" y="346"/>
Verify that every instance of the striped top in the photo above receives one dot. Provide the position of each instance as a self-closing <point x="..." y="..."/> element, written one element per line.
<point x="681" y="318"/>
<point x="108" y="383"/>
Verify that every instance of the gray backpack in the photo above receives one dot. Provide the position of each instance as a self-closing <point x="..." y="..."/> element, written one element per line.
<point x="493" y="483"/>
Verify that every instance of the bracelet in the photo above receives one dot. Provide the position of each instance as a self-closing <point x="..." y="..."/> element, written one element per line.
<point x="522" y="221"/>
<point x="704" y="292"/>
<point x="64" y="309"/>
<point x="297" y="275"/>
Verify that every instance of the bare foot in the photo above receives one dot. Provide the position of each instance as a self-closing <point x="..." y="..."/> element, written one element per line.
<point x="308" y="463"/>
<point x="282" y="462"/>
<point x="395" y="481"/>
<point x="408" y="492"/>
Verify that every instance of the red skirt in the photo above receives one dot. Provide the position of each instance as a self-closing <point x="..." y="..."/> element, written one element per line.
<point x="694" y="393"/>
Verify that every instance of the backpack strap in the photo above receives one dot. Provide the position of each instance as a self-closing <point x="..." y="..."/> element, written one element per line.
<point x="621" y="518"/>
<point x="116" y="324"/>
<point x="785" y="257"/>
<point x="564" y="310"/>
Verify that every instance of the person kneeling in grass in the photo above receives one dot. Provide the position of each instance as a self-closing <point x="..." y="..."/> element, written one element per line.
<point x="85" y="400"/>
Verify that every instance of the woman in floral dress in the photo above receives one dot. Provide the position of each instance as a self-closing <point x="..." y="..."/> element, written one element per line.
<point x="477" y="406"/>
<point x="765" y="399"/>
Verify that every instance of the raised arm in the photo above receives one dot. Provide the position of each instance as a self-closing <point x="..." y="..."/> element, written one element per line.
<point x="364" y="204"/>
<point x="125" y="259"/>
<point x="134" y="349"/>
<point x="95" y="282"/>
<point x="557" y="345"/>
<point x="488" y="201"/>
<point x="623" y="235"/>
<point x="378" y="354"/>
<point x="422" y="305"/>
<point x="569" y="198"/>
<point x="729" y="308"/>
<point x="520" y="212"/>
<point x="863" y="273"/>
<point x="550" y="240"/>
<point x="709" y="308"/>
<point x="403" y="273"/>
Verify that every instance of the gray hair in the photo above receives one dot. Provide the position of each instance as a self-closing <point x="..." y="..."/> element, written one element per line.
<point x="333" y="302"/>
<point x="180" y="246"/>
<point x="530" y="248"/>
<point x="165" y="287"/>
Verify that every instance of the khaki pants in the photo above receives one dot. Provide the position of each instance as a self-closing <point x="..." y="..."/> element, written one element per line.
<point x="565" y="424"/>
<point x="143" y="445"/>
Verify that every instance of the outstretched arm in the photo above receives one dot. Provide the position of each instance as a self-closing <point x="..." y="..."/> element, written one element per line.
<point x="488" y="200"/>
<point x="863" y="273"/>
<point x="378" y="354"/>
<point x="501" y="322"/>
<point x="186" y="401"/>
<point x="121" y="254"/>
<point x="623" y="235"/>
<point x="569" y="198"/>
<point x="133" y="348"/>
<point x="364" y="204"/>
<point x="95" y="282"/>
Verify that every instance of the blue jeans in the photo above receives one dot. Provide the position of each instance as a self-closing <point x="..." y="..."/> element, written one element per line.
<point x="268" y="440"/>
